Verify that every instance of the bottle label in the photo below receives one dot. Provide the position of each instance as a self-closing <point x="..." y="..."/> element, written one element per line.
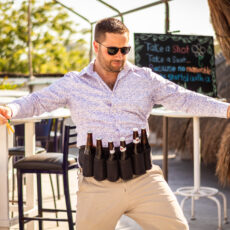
<point x="122" y="149"/>
<point x="136" y="140"/>
<point x="112" y="151"/>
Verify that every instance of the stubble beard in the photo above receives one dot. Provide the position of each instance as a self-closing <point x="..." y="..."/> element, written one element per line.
<point x="107" y="65"/>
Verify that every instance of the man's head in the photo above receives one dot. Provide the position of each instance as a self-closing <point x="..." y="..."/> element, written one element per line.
<point x="111" y="44"/>
<point x="109" y="25"/>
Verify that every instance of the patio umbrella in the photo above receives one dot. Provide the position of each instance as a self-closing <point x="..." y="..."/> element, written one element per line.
<point x="220" y="16"/>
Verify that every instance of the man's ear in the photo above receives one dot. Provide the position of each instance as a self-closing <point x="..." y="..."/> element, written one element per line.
<point x="96" y="46"/>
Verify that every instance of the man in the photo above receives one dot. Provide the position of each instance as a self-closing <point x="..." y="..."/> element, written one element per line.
<point x="110" y="97"/>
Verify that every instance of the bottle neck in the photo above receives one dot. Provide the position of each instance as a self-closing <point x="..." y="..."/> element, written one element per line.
<point x="89" y="142"/>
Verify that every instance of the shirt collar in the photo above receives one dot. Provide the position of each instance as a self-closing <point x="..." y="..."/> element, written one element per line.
<point x="90" y="69"/>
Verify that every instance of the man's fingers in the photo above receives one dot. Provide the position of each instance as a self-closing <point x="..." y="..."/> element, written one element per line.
<point x="5" y="112"/>
<point x="3" y="120"/>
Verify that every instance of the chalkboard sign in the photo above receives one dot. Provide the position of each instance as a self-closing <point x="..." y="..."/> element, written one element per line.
<point x="187" y="60"/>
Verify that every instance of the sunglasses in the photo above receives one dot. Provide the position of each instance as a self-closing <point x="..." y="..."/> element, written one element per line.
<point x="111" y="50"/>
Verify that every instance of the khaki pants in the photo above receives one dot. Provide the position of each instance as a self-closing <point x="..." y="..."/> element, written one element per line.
<point x="147" y="199"/>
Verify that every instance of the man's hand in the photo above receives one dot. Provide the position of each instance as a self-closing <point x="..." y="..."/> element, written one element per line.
<point x="5" y="114"/>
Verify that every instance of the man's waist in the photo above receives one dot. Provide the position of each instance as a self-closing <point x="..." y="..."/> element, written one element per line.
<point x="106" y="149"/>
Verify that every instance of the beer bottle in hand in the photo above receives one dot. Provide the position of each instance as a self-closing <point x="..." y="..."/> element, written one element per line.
<point x="88" y="156"/>
<point x="99" y="169"/>
<point x="146" y="149"/>
<point x="126" y="169"/>
<point x="138" y="156"/>
<point x="112" y="164"/>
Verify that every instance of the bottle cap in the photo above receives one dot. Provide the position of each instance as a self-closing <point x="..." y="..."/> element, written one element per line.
<point x="135" y="129"/>
<point x="122" y="139"/>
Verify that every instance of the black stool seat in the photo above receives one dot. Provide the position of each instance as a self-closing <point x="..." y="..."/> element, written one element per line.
<point x="45" y="161"/>
<point x="20" y="151"/>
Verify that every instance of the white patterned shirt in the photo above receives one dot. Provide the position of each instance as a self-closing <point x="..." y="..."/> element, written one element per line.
<point x="111" y="114"/>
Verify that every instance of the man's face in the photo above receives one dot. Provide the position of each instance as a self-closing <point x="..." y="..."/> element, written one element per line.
<point x="112" y="63"/>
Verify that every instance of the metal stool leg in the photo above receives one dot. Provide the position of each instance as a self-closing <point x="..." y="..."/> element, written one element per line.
<point x="13" y="187"/>
<point x="67" y="200"/>
<point x="193" y="208"/>
<point x="225" y="207"/>
<point x="20" y="200"/>
<point x="54" y="198"/>
<point x="183" y="201"/>
<point x="39" y="191"/>
<point x="58" y="187"/>
<point x="218" y="210"/>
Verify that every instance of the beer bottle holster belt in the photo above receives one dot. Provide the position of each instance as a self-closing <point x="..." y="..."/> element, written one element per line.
<point x="112" y="170"/>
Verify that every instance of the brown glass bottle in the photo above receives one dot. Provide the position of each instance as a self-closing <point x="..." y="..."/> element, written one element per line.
<point x="99" y="166"/>
<point x="146" y="149"/>
<point x="99" y="153"/>
<point x="144" y="139"/>
<point x="89" y="144"/>
<point x="111" y="151"/>
<point x="88" y="156"/>
<point x="136" y="142"/>
<point x="137" y="156"/>
<point x="125" y="162"/>
<point x="123" y="151"/>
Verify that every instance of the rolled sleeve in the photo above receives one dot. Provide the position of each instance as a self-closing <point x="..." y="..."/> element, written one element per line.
<point x="177" y="98"/>
<point x="45" y="100"/>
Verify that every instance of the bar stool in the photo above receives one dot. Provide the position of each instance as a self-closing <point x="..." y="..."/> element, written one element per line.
<point x="17" y="152"/>
<point x="52" y="163"/>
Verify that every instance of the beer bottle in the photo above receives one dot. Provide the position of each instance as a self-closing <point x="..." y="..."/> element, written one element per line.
<point x="146" y="149"/>
<point x="125" y="162"/>
<point x="144" y="139"/>
<point x="88" y="156"/>
<point x="111" y="151"/>
<point x="123" y="151"/>
<point x="99" y="167"/>
<point x="112" y="164"/>
<point x="136" y="142"/>
<point x="99" y="153"/>
<point x="138" y="156"/>
<point x="89" y="144"/>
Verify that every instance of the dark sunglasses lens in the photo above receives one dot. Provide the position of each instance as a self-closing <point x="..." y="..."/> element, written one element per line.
<point x="125" y="50"/>
<point x="112" y="50"/>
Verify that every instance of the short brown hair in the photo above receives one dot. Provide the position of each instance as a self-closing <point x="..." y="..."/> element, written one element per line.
<point x="108" y="25"/>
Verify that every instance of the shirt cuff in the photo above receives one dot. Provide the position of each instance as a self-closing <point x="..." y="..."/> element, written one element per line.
<point x="14" y="108"/>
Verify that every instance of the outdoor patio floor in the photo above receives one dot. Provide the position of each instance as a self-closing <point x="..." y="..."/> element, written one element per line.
<point x="180" y="174"/>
